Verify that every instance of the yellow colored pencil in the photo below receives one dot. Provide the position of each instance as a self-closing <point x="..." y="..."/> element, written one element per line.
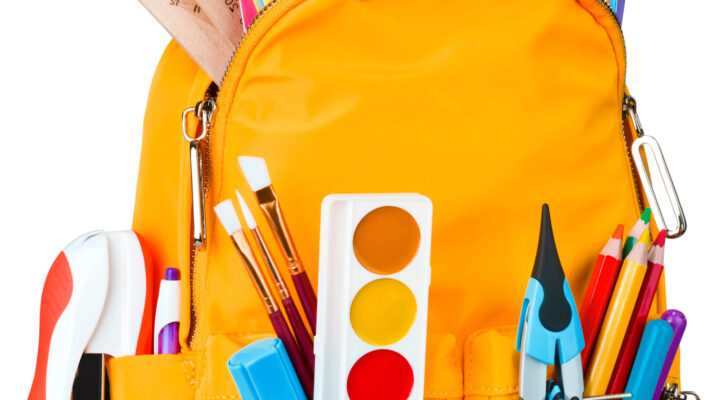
<point x="617" y="318"/>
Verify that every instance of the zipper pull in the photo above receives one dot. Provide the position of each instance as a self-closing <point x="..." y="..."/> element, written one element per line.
<point x="203" y="112"/>
<point x="653" y="154"/>
<point x="672" y="392"/>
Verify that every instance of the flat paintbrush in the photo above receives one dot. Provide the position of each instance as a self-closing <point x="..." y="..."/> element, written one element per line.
<point x="296" y="322"/>
<point x="229" y="219"/>
<point x="257" y="175"/>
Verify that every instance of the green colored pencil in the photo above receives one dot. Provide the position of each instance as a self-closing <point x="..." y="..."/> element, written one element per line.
<point x="637" y="230"/>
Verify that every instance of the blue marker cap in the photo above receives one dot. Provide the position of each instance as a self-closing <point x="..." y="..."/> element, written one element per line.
<point x="650" y="359"/>
<point x="262" y="371"/>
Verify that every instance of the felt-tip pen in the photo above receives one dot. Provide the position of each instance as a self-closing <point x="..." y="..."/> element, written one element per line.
<point x="167" y="314"/>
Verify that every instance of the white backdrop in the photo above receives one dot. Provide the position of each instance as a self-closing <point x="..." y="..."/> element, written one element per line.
<point x="73" y="84"/>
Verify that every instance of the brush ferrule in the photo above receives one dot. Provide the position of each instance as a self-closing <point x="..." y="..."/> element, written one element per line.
<point x="253" y="268"/>
<point x="272" y="266"/>
<point x="268" y="201"/>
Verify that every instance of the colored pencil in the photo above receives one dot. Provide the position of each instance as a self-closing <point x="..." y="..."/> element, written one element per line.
<point x="640" y="226"/>
<point x="600" y="288"/>
<point x="618" y="316"/>
<point x="249" y="10"/>
<point x="638" y="320"/>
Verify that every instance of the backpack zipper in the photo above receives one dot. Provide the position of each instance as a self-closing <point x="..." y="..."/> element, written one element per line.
<point x="214" y="93"/>
<point x="211" y="96"/>
<point x="200" y="174"/>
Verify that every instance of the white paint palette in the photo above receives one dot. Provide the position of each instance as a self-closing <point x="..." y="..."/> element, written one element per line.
<point x="373" y="297"/>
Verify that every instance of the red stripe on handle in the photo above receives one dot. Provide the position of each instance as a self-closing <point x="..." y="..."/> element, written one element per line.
<point x="55" y="298"/>
<point x="302" y="371"/>
<point x="308" y="300"/>
<point x="301" y="334"/>
<point x="636" y="327"/>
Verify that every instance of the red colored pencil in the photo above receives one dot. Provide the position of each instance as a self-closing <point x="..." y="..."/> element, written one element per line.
<point x="639" y="317"/>
<point x="599" y="291"/>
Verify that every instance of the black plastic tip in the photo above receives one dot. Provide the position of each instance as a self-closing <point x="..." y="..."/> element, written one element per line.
<point x="555" y="313"/>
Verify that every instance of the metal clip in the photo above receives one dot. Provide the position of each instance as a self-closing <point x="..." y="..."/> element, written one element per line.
<point x="618" y="396"/>
<point x="203" y="111"/>
<point x="671" y="392"/>
<point x="653" y="153"/>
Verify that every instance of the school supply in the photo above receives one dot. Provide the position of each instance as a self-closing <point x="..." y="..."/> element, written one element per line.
<point x="489" y="110"/>
<point x="639" y="317"/>
<point x="648" y="363"/>
<point x="296" y="323"/>
<point x="91" y="380"/>
<point x="97" y="299"/>
<point x="225" y="16"/>
<point x="615" y="325"/>
<point x="189" y="26"/>
<point x="125" y="324"/>
<point x="72" y="300"/>
<point x="678" y="322"/>
<point x="374" y="278"/>
<point x="250" y="10"/>
<point x="599" y="290"/>
<point x="549" y="331"/>
<point x="620" y="10"/>
<point x="258" y="177"/>
<point x="640" y="226"/>
<point x="262" y="371"/>
<point x="167" y="314"/>
<point x="228" y="218"/>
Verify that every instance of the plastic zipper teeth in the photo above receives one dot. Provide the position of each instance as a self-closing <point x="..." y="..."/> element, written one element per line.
<point x="193" y="309"/>
<point x="626" y="135"/>
<point x="207" y="172"/>
<point x="261" y="13"/>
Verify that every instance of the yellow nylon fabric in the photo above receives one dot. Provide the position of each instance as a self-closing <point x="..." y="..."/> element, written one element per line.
<point x="488" y="108"/>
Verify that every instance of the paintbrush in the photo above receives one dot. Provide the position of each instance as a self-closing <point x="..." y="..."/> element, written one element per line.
<point x="296" y="322"/>
<point x="229" y="219"/>
<point x="256" y="173"/>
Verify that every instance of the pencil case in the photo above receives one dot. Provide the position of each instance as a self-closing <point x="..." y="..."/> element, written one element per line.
<point x="487" y="108"/>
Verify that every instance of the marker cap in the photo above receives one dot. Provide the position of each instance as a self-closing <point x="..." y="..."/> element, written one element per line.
<point x="262" y="371"/>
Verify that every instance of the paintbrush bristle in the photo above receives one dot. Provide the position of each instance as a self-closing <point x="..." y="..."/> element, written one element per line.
<point x="227" y="216"/>
<point x="255" y="171"/>
<point x="249" y="219"/>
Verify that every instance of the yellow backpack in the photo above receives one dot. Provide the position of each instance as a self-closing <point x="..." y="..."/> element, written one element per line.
<point x="489" y="108"/>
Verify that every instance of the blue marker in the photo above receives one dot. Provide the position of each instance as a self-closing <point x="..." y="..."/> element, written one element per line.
<point x="262" y="371"/>
<point x="649" y="360"/>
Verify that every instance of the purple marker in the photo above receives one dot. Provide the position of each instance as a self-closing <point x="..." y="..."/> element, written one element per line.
<point x="677" y="320"/>
<point x="167" y="314"/>
<point x="620" y="10"/>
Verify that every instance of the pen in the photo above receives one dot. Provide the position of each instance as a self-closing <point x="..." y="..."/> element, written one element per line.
<point x="167" y="314"/>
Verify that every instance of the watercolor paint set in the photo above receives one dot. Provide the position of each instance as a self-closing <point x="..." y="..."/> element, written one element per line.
<point x="374" y="276"/>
